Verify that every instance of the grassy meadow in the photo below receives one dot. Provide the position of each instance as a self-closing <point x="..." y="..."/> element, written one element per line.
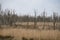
<point x="31" y="34"/>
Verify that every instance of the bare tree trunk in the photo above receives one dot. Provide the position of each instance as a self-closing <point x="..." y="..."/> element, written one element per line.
<point x="35" y="20"/>
<point x="27" y="22"/>
<point x="54" y="25"/>
<point x="54" y="20"/>
<point x="44" y="19"/>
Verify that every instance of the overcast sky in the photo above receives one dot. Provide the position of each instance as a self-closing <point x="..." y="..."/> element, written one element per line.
<point x="23" y="7"/>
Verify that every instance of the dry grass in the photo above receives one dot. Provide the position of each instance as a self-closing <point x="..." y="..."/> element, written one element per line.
<point x="35" y="34"/>
<point x="39" y="23"/>
<point x="31" y="33"/>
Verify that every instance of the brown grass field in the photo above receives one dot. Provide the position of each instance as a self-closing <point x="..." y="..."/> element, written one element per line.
<point x="38" y="23"/>
<point x="31" y="33"/>
<point x="35" y="34"/>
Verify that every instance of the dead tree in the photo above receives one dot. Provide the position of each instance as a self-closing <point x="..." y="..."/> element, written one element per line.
<point x="0" y="7"/>
<point x="54" y="20"/>
<point x="27" y="21"/>
<point x="44" y="19"/>
<point x="35" y="20"/>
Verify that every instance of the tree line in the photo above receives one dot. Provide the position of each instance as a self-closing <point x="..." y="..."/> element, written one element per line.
<point x="8" y="17"/>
